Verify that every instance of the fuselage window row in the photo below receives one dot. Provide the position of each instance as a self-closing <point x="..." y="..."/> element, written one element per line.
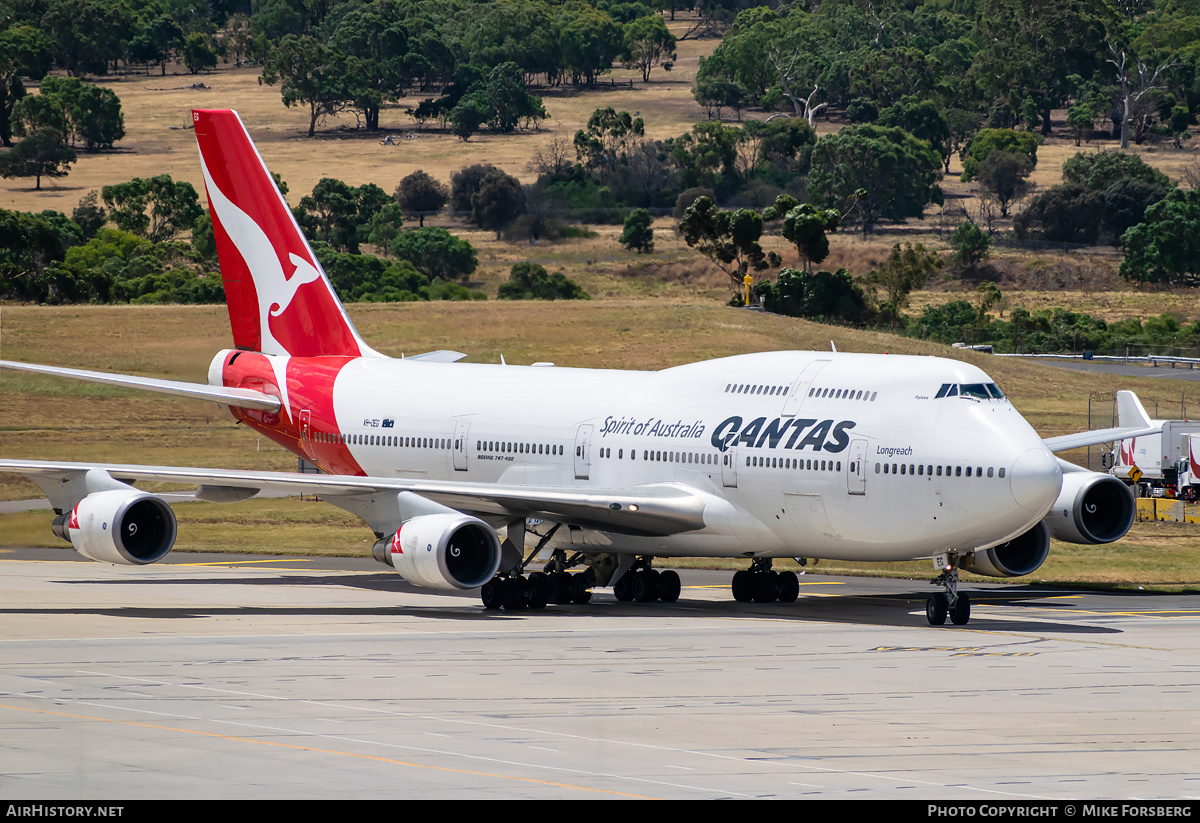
<point x="931" y="471"/>
<point x="509" y="447"/>
<point x="746" y="388"/>
<point x="843" y="394"/>
<point x="832" y="393"/>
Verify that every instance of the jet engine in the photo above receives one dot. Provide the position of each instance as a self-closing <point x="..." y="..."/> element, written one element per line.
<point x="1091" y="508"/>
<point x="1022" y="555"/>
<point x="442" y="551"/>
<point x="122" y="526"/>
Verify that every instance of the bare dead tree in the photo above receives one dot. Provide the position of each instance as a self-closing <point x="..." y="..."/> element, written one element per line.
<point x="1135" y="83"/>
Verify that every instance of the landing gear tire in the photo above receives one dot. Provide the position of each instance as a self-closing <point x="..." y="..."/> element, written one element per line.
<point x="936" y="608"/>
<point x="669" y="586"/>
<point x="560" y="588"/>
<point x="789" y="587"/>
<point x="623" y="588"/>
<point x="492" y="593"/>
<point x="645" y="586"/>
<point x="517" y="591"/>
<point x="766" y="587"/>
<point x="961" y="612"/>
<point x="743" y="586"/>
<point x="539" y="590"/>
<point x="580" y="593"/>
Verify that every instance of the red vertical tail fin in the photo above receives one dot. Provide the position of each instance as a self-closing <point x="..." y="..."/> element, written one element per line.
<point x="280" y="301"/>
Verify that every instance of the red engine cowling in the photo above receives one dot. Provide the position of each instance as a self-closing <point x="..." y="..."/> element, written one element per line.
<point x="123" y="526"/>
<point x="442" y="551"/>
<point x="1022" y="555"/>
<point x="1091" y="508"/>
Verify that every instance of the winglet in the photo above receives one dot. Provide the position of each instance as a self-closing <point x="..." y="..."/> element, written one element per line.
<point x="1130" y="412"/>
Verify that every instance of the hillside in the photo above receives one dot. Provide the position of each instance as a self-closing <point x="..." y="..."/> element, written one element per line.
<point x="159" y="141"/>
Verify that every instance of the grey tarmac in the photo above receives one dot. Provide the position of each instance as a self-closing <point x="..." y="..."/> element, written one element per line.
<point x="279" y="677"/>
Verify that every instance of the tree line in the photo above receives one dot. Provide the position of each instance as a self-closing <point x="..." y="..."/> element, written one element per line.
<point x="980" y="78"/>
<point x="126" y="244"/>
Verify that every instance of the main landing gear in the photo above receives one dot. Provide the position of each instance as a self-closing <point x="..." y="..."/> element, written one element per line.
<point x="950" y="602"/>
<point x="554" y="586"/>
<point x="645" y="585"/>
<point x="761" y="585"/>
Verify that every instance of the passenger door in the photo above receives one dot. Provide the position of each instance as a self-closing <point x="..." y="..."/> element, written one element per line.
<point x="583" y="451"/>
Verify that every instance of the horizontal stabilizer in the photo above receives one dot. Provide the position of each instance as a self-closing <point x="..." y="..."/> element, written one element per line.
<point x="241" y="398"/>
<point x="439" y="356"/>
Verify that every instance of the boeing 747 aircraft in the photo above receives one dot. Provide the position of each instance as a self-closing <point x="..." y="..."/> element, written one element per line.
<point x="468" y="483"/>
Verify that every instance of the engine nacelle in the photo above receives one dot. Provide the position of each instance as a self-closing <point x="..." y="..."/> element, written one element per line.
<point x="442" y="551"/>
<point x="1022" y="555"/>
<point x="123" y="526"/>
<point x="1091" y="508"/>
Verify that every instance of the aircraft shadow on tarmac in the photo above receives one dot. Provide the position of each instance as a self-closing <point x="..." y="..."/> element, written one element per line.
<point x="883" y="609"/>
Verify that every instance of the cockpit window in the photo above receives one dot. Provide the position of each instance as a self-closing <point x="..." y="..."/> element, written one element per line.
<point x="977" y="391"/>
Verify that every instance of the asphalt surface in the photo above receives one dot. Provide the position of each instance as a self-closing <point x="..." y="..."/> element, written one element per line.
<point x="267" y="677"/>
<point x="1127" y="369"/>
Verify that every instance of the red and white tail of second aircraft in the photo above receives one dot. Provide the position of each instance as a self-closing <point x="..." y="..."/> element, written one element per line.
<point x="509" y="478"/>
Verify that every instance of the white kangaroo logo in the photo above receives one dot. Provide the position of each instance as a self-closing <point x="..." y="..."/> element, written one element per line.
<point x="275" y="290"/>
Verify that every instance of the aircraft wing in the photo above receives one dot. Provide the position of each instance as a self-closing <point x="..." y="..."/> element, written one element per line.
<point x="242" y="398"/>
<point x="1132" y="421"/>
<point x="657" y="509"/>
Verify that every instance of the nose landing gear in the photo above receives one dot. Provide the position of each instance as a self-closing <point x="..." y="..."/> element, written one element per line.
<point x="950" y="603"/>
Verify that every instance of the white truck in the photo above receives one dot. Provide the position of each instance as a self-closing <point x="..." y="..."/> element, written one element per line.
<point x="1188" y="484"/>
<point x="1152" y="463"/>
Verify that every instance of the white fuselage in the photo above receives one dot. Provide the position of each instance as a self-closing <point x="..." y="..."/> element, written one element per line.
<point x="827" y="455"/>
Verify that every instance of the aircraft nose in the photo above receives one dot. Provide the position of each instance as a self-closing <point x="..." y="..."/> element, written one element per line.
<point x="1035" y="480"/>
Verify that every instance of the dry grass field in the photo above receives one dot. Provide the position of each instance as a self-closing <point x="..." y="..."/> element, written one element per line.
<point x="42" y="417"/>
